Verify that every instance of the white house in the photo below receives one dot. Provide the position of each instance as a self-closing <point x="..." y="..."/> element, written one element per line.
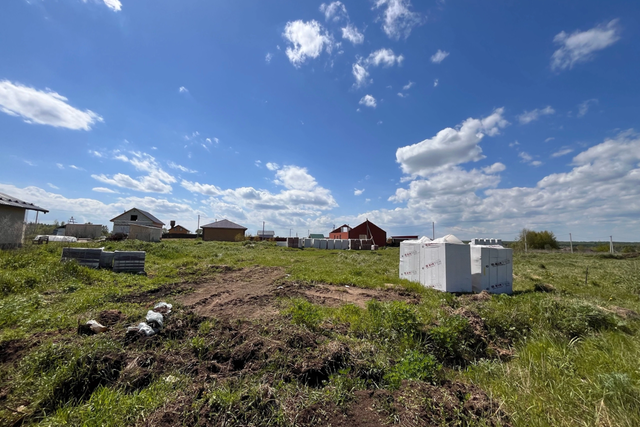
<point x="135" y="216"/>
<point x="12" y="220"/>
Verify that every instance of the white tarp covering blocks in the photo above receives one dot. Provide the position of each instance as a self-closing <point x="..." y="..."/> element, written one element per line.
<point x="442" y="264"/>
<point x="491" y="268"/>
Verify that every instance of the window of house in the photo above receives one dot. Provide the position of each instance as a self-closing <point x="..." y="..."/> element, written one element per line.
<point x="134" y="217"/>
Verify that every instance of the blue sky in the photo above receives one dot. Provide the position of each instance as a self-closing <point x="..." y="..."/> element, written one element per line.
<point x="485" y="118"/>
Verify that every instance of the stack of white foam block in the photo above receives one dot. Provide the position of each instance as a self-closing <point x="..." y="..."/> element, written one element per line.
<point x="491" y="268"/>
<point x="448" y="265"/>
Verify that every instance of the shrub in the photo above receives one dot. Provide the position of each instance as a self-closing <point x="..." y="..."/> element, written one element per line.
<point x="414" y="366"/>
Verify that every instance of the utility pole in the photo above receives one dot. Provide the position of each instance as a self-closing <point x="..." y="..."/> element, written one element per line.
<point x="571" y="242"/>
<point x="433" y="235"/>
<point x="610" y="244"/>
<point x="198" y="222"/>
<point x="289" y="232"/>
<point x="525" y="241"/>
<point x="262" y="230"/>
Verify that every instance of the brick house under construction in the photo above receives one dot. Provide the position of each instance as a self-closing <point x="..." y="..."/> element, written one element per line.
<point x="366" y="230"/>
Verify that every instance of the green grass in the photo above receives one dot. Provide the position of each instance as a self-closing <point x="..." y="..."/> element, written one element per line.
<point x="566" y="357"/>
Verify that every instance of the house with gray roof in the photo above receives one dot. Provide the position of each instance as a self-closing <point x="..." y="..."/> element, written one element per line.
<point x="12" y="220"/>
<point x="223" y="231"/>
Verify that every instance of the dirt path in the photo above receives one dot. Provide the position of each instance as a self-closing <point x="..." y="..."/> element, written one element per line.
<point x="252" y="293"/>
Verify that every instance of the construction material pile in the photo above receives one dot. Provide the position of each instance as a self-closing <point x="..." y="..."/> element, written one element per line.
<point x="448" y="265"/>
<point x="118" y="261"/>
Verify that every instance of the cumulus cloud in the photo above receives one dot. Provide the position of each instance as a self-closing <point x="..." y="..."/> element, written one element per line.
<point x="43" y="107"/>
<point x="174" y="165"/>
<point x="114" y="5"/>
<point x="351" y="33"/>
<point x="104" y="190"/>
<point x="381" y="57"/>
<point x="360" y="74"/>
<point x="528" y="158"/>
<point x="183" y="89"/>
<point x="562" y="152"/>
<point x="583" y="108"/>
<point x="402" y="95"/>
<point x="530" y="116"/>
<point x="384" y="57"/>
<point x="334" y="11"/>
<point x="156" y="180"/>
<point x="397" y="19"/>
<point x="300" y="201"/>
<point x="268" y="58"/>
<point x="439" y="56"/>
<point x="357" y="192"/>
<point x="273" y="166"/>
<point x="408" y="85"/>
<point x="368" y="101"/>
<point x="435" y="83"/>
<point x="451" y="146"/>
<point x="580" y="46"/>
<point x="307" y="39"/>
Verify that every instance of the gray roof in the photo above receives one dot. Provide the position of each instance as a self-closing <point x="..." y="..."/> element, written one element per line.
<point x="8" y="200"/>
<point x="145" y="213"/>
<point x="224" y="223"/>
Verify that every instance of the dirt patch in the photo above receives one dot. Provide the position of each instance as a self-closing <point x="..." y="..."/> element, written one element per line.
<point x="252" y="293"/>
<point x="625" y="313"/>
<point x="110" y="317"/>
<point x="415" y="404"/>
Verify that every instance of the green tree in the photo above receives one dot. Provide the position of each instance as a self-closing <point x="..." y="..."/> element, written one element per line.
<point x="536" y="240"/>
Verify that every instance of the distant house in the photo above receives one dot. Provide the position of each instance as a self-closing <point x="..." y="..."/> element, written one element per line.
<point x="316" y="236"/>
<point x="366" y="230"/>
<point x="177" y="229"/>
<point x="222" y="231"/>
<point x="266" y="234"/>
<point x="134" y="216"/>
<point x="12" y="220"/>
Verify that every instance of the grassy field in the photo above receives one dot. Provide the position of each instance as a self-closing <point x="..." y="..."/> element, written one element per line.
<point x="559" y="352"/>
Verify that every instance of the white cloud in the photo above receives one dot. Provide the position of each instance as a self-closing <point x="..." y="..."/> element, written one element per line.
<point x="273" y="166"/>
<point x="583" y="108"/>
<point x="357" y="192"/>
<point x="514" y="143"/>
<point x="351" y="33"/>
<point x="526" y="157"/>
<point x="173" y="165"/>
<point x="78" y="168"/>
<point x="43" y="107"/>
<point x="308" y="39"/>
<point x="536" y="163"/>
<point x="529" y="116"/>
<point x="104" y="190"/>
<point x="334" y="11"/>
<point x="156" y="180"/>
<point x="435" y="83"/>
<point x="379" y="122"/>
<point x="301" y="201"/>
<point x="361" y="74"/>
<point x="398" y="20"/>
<point x="52" y="186"/>
<point x="562" y="152"/>
<point x="384" y="57"/>
<point x="580" y="46"/>
<point x="183" y="89"/>
<point x="408" y="85"/>
<point x="114" y="5"/>
<point x="551" y="138"/>
<point x="368" y="101"/>
<point x="258" y="163"/>
<point x="402" y="95"/>
<point x="439" y="56"/>
<point x="95" y="153"/>
<point x="60" y="165"/>
<point x="268" y="57"/>
<point x="450" y="146"/>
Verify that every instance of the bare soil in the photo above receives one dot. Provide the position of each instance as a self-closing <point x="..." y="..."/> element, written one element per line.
<point x="252" y="293"/>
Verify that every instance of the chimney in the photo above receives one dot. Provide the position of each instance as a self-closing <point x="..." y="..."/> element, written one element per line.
<point x="173" y="224"/>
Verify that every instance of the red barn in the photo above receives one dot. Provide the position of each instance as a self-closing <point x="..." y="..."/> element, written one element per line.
<point x="366" y="230"/>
